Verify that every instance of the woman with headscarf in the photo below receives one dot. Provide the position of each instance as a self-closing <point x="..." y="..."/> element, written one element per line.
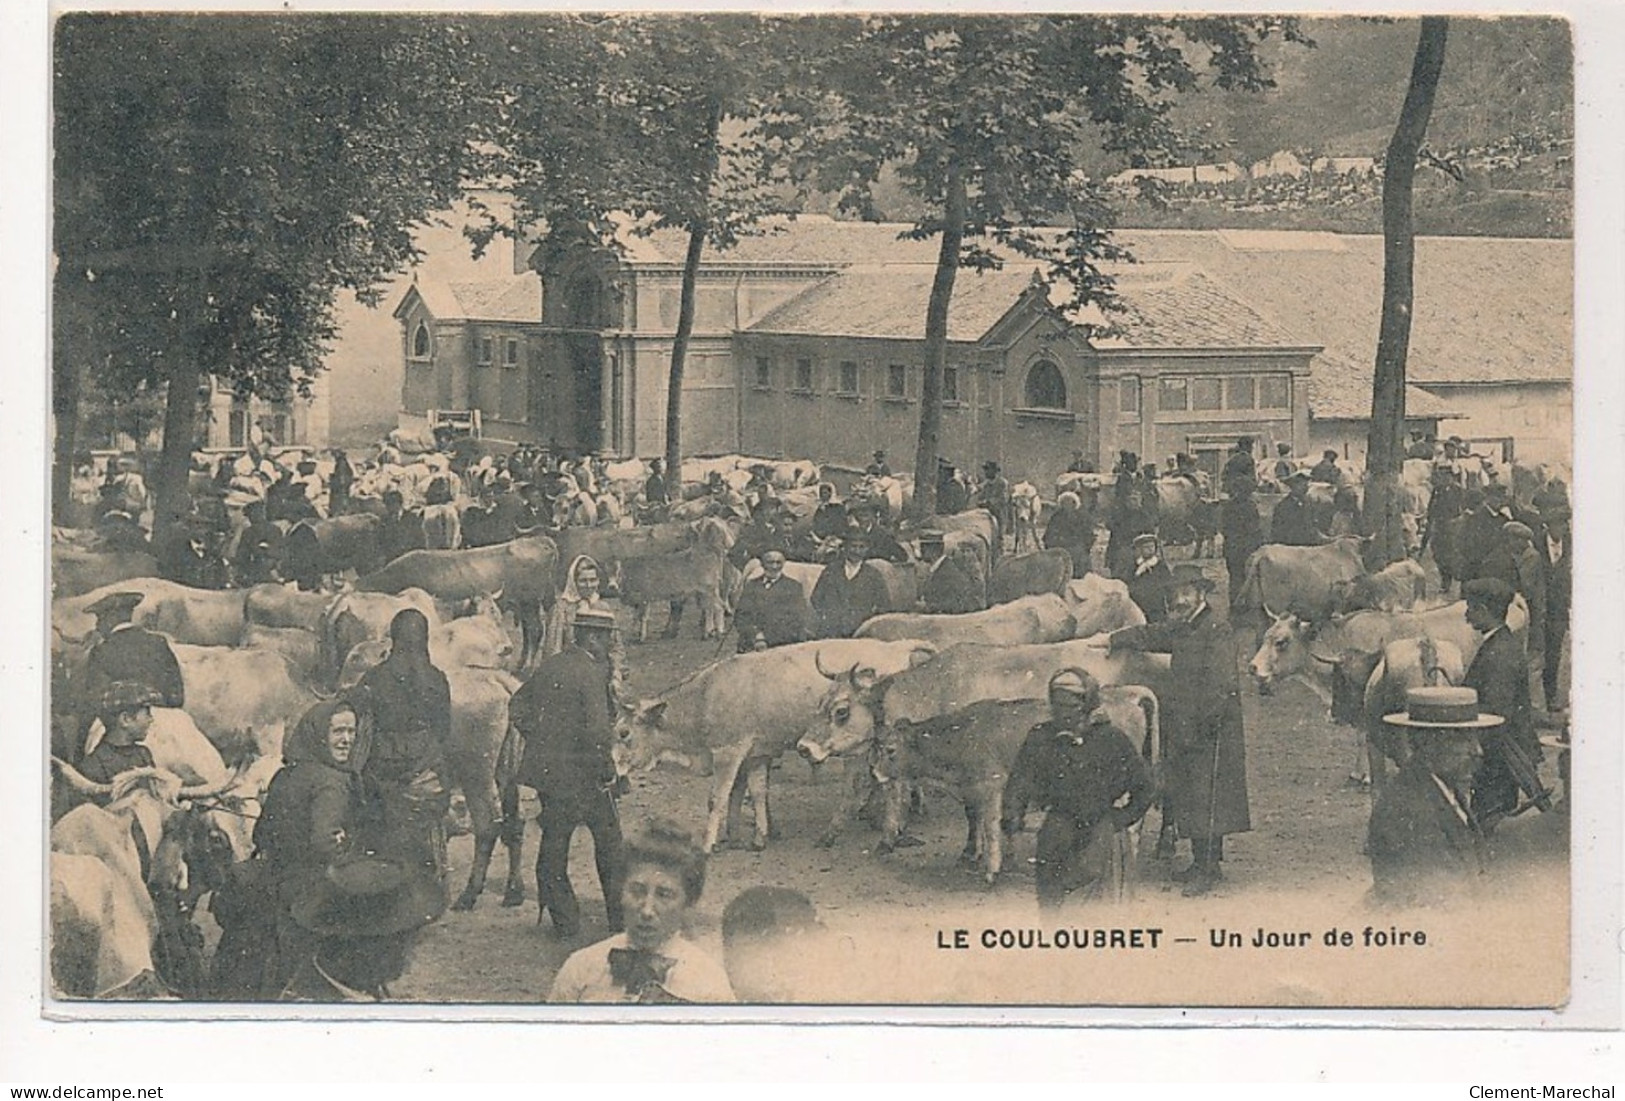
<point x="409" y="702"/>
<point x="1072" y="528"/>
<point x="583" y="589"/>
<point x="308" y="820"/>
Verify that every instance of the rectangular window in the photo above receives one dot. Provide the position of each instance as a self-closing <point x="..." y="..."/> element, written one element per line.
<point x="487" y="350"/>
<point x="1206" y="395"/>
<point x="1173" y="395"/>
<point x="849" y="378"/>
<point x="897" y="381"/>
<point x="510" y="354"/>
<point x="804" y="375"/>
<point x="950" y="384"/>
<point x="1275" y="392"/>
<point x="1239" y="393"/>
<point x="764" y="373"/>
<point x="1128" y="395"/>
<point x="237" y="426"/>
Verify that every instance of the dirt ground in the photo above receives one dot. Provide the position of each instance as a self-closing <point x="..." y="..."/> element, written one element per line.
<point x="1302" y="855"/>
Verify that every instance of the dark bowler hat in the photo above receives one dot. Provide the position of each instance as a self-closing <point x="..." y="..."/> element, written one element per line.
<point x="931" y="538"/>
<point x="1443" y="709"/>
<point x="1185" y="574"/>
<point x="595" y="619"/>
<point x="368" y="897"/>
<point x="116" y="604"/>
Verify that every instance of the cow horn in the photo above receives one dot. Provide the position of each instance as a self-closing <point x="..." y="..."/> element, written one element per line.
<point x="77" y="781"/>
<point x="1271" y="612"/>
<point x="207" y="791"/>
<point x="1323" y="661"/>
<point x="818" y="663"/>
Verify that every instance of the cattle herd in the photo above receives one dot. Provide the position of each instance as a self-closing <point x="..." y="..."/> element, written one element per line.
<point x="255" y="657"/>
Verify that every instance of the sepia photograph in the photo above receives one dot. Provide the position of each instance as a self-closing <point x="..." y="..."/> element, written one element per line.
<point x="883" y="510"/>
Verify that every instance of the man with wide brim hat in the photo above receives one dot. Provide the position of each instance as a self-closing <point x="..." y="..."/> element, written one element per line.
<point x="1204" y="741"/>
<point x="1424" y="840"/>
<point x="364" y="914"/>
<point x="849" y="591"/>
<point x="1499" y="673"/>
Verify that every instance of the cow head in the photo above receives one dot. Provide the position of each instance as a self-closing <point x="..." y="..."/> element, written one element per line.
<point x="641" y="735"/>
<point x="1283" y="651"/>
<point x="848" y="716"/>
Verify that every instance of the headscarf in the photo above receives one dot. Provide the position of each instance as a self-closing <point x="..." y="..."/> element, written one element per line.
<point x="571" y="593"/>
<point x="308" y="741"/>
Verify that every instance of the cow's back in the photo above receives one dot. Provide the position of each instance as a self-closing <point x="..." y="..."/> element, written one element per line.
<point x="273" y="605"/>
<point x="975" y="744"/>
<point x="75" y="572"/>
<point x="1016" y="576"/>
<point x="242" y="699"/>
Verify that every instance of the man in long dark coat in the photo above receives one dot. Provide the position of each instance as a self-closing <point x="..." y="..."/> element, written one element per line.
<point x="1205" y="753"/>
<point x="1151" y="583"/>
<point x="563" y="714"/>
<point x="848" y="592"/>
<point x="1239" y="522"/>
<point x="1071" y="528"/>
<point x="1559" y="599"/>
<point x="1500" y="674"/>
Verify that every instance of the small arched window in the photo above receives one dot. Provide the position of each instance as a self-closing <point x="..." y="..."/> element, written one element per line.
<point x="1045" y="388"/>
<point x="420" y="341"/>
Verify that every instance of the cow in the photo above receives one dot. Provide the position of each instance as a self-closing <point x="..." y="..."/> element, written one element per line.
<point x="242" y="699"/>
<point x="202" y="617"/>
<point x="272" y="605"/>
<point x="75" y="571"/>
<point x="696" y="571"/>
<point x="317" y="549"/>
<point x="972" y="751"/>
<point x="1298" y="579"/>
<point x="1031" y="619"/>
<point x="1101" y="604"/>
<point x="977" y="521"/>
<point x="611" y="546"/>
<point x="1034" y="574"/>
<point x="301" y="649"/>
<point x="357" y="617"/>
<point x="1402" y="665"/>
<point x="956" y="583"/>
<point x="742" y="713"/>
<point x="902" y="581"/>
<point x="1315" y="649"/>
<point x="125" y="879"/>
<point x="470" y="652"/>
<point x="1026" y="508"/>
<point x="1397" y="587"/>
<point x="522" y="570"/>
<point x="850" y="715"/>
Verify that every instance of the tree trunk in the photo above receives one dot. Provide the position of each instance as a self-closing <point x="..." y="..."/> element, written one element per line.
<point x="1385" y="447"/>
<point x="66" y="379"/>
<point x="171" y="502"/>
<point x="679" y="354"/>
<point x="936" y="343"/>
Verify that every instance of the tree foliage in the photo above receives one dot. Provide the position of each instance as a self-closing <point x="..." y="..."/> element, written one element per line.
<point x="983" y="120"/>
<point x="220" y="179"/>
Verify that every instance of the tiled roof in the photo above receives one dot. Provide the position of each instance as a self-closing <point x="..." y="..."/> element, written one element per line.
<point x="889" y="300"/>
<point x="1181" y="306"/>
<point x="1486" y="310"/>
<point x="1340" y="390"/>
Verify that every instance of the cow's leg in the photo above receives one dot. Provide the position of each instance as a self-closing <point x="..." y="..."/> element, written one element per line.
<point x="973" y="835"/>
<point x="483" y="816"/>
<point x="891" y="830"/>
<point x="854" y="793"/>
<point x="643" y="623"/>
<point x="728" y="762"/>
<point x="990" y="809"/>
<point x="736" y="800"/>
<point x="674" y="622"/>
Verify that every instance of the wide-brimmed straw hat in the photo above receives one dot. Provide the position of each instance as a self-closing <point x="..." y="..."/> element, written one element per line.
<point x="368" y="897"/>
<point x="1443" y="709"/>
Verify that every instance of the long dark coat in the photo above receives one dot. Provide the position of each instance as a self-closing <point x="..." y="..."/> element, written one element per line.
<point x="1205" y="749"/>
<point x="840" y="606"/>
<point x="562" y="712"/>
<point x="1422" y="851"/>
<point x="953" y="587"/>
<point x="1500" y="675"/>
<point x="134" y="654"/>
<point x="779" y="611"/>
<point x="1150" y="590"/>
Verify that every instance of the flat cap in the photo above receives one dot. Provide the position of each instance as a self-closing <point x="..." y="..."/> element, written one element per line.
<point x="119" y="603"/>
<point x="128" y="695"/>
<point x="1513" y="527"/>
<point x="1186" y="574"/>
<point x="1074" y="682"/>
<point x="1492" y="592"/>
